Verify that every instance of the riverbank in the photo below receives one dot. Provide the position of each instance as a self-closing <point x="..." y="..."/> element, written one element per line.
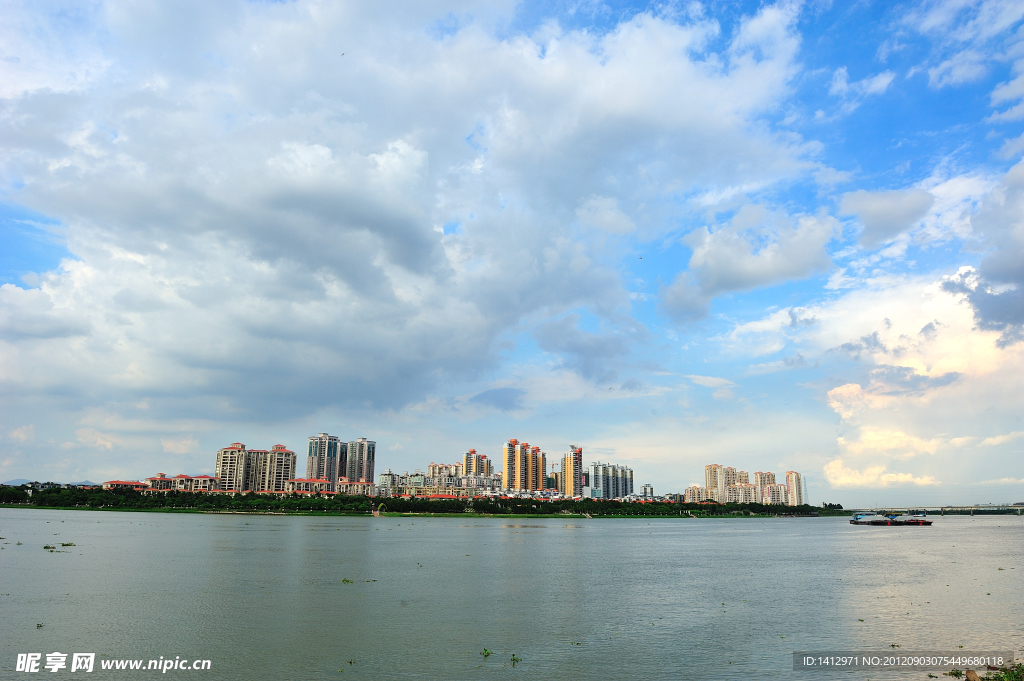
<point x="424" y="514"/>
<point x="295" y="504"/>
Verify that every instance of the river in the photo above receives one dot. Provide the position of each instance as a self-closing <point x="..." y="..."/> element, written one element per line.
<point x="267" y="597"/>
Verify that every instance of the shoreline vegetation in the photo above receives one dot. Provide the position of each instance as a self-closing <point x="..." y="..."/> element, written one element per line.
<point x="272" y="504"/>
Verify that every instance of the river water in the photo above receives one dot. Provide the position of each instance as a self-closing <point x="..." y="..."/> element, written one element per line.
<point x="300" y="597"/>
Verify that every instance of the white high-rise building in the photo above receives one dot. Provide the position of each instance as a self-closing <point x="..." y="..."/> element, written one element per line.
<point x="361" y="455"/>
<point x="794" y="489"/>
<point x="280" y="468"/>
<point x="232" y="467"/>
<point x="714" y="482"/>
<point x="774" y="494"/>
<point x="611" y="480"/>
<point x="695" y="494"/>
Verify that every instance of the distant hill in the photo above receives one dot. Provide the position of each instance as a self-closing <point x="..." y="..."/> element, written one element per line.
<point x="84" y="482"/>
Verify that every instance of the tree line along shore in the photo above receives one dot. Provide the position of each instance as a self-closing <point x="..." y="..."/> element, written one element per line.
<point x="130" y="500"/>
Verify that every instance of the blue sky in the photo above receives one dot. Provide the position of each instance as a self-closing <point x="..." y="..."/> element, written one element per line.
<point x="776" y="236"/>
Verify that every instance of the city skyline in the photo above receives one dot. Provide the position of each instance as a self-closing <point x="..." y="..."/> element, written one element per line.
<point x="784" y="235"/>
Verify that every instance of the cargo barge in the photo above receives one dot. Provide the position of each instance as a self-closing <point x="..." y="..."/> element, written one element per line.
<point x="889" y="520"/>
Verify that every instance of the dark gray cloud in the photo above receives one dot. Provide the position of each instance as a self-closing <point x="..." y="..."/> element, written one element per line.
<point x="594" y="356"/>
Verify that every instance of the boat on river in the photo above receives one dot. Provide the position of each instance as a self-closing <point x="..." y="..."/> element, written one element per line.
<point x="890" y="520"/>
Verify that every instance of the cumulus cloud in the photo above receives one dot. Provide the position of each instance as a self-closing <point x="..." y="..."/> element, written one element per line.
<point x="995" y="289"/>
<point x="756" y="248"/>
<point x="886" y="214"/>
<point x="932" y="392"/>
<point x="248" y="208"/>
<point x="841" y="476"/>
<point x="888" y="442"/>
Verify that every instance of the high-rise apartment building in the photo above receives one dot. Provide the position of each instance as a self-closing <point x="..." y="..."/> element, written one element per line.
<point x="762" y="479"/>
<point x="774" y="494"/>
<point x="280" y="468"/>
<point x="359" y="466"/>
<point x="743" y="493"/>
<point x="525" y="467"/>
<point x="611" y="480"/>
<point x="445" y="470"/>
<point x="256" y="470"/>
<point x="695" y="494"/>
<point x="325" y="458"/>
<point x="742" y="478"/>
<point x="794" y="489"/>
<point x="714" y="481"/>
<point x="232" y="467"/>
<point x="476" y="464"/>
<point x="571" y="479"/>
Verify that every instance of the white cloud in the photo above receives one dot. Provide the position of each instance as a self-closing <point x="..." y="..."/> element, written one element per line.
<point x="756" y="248"/>
<point x="23" y="433"/>
<point x="253" y="252"/>
<point x="711" y="381"/>
<point x="854" y="93"/>
<point x="933" y="393"/>
<point x="888" y="442"/>
<point x="970" y="38"/>
<point x="602" y="212"/>
<point x="963" y="67"/>
<point x="840" y="476"/>
<point x="885" y="214"/>
<point x="255" y="220"/>
<point x="90" y="437"/>
<point x="1002" y="439"/>
<point x="180" y="445"/>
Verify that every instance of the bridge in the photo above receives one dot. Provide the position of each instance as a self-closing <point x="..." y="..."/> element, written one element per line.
<point x="986" y="509"/>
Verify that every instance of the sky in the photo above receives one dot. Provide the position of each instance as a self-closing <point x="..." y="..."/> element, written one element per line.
<point x="773" y="236"/>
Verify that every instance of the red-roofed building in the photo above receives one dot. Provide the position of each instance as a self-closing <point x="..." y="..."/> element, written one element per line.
<point x="183" y="483"/>
<point x="308" y="485"/>
<point x="356" y="488"/>
<point x="125" y="484"/>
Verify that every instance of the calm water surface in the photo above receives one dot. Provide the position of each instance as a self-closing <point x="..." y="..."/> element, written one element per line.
<point x="264" y="597"/>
